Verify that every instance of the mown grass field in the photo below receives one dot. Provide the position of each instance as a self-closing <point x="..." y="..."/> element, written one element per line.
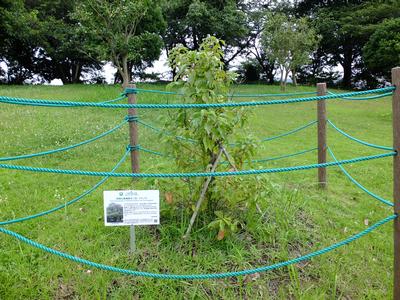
<point x="297" y="217"/>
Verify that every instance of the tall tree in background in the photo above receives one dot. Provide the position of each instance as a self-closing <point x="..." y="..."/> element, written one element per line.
<point x="382" y="51"/>
<point x="289" y="42"/>
<point x="125" y="32"/>
<point x="189" y="22"/>
<point x="60" y="54"/>
<point x="345" y="27"/>
<point x="18" y="40"/>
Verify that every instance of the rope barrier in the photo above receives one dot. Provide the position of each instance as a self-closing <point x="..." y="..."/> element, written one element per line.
<point x="197" y="276"/>
<point x="289" y="132"/>
<point x="131" y="118"/>
<point x="64" y="148"/>
<point x="199" y="174"/>
<point x="76" y="199"/>
<point x="238" y="95"/>
<point x="358" y="140"/>
<point x="364" y="98"/>
<point x="377" y="197"/>
<point x="152" y="127"/>
<point x="115" y="100"/>
<point x="53" y="103"/>
<point x="226" y="162"/>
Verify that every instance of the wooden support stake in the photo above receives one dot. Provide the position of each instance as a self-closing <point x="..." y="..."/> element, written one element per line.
<point x="321" y="110"/>
<point x="133" y="142"/>
<point x="396" y="181"/>
<point x="203" y="194"/>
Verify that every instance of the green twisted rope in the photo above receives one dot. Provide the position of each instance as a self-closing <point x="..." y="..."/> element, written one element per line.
<point x="226" y="162"/>
<point x="364" y="98"/>
<point x="377" y="197"/>
<point x="53" y="103"/>
<point x="289" y="132"/>
<point x="197" y="276"/>
<point x="358" y="140"/>
<point x="238" y="95"/>
<point x="200" y="174"/>
<point x="64" y="148"/>
<point x="76" y="199"/>
<point x="152" y="127"/>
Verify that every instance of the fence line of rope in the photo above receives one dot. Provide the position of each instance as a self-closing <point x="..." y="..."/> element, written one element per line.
<point x="197" y="276"/>
<point x="351" y="178"/>
<point x="358" y="140"/>
<point x="140" y="148"/>
<point x="24" y="156"/>
<point x="195" y="174"/>
<point x="54" y="103"/>
<point x="98" y="184"/>
<point x="159" y="130"/>
<point x="364" y="98"/>
<point x="76" y="199"/>
<point x="237" y="95"/>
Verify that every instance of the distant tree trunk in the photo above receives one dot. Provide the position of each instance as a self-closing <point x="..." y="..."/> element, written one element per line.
<point x="76" y="73"/>
<point x="347" y="66"/>
<point x="286" y="77"/>
<point x="294" y="77"/>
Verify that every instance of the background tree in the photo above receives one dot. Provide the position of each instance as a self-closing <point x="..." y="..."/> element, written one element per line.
<point x="125" y="32"/>
<point x="19" y="34"/>
<point x="345" y="27"/>
<point x="289" y="42"/>
<point x="189" y="22"/>
<point x="382" y="51"/>
<point x="61" y="47"/>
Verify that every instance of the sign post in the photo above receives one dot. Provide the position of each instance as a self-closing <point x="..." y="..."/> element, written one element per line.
<point x="321" y="111"/>
<point x="134" y="143"/>
<point x="396" y="181"/>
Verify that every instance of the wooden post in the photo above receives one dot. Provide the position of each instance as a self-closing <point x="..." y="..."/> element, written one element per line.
<point x="133" y="132"/>
<point x="133" y="142"/>
<point x="321" y="111"/>
<point x="396" y="181"/>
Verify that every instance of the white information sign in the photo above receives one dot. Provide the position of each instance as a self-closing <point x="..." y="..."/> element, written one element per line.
<point x="131" y="207"/>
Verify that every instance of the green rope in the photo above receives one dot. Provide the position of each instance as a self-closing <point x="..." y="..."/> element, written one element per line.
<point x="152" y="127"/>
<point x="283" y="156"/>
<point x="359" y="184"/>
<point x="76" y="199"/>
<point x="115" y="100"/>
<point x="64" y="148"/>
<point x="364" y="98"/>
<point x="53" y="103"/>
<point x="200" y="174"/>
<point x="226" y="162"/>
<point x="197" y="276"/>
<point x="167" y="133"/>
<point x="358" y="140"/>
<point x="238" y="95"/>
<point x="289" y="132"/>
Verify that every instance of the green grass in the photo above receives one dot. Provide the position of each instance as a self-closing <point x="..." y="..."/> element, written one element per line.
<point x="298" y="218"/>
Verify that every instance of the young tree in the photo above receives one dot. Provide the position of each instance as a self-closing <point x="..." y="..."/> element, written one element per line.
<point x="125" y="32"/>
<point x="289" y="42"/>
<point x="202" y="79"/>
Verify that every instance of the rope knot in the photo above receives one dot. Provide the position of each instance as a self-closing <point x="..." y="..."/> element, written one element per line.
<point x="133" y="148"/>
<point x="129" y="91"/>
<point x="131" y="118"/>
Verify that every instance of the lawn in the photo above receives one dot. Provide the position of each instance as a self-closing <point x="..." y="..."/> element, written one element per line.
<point x="297" y="217"/>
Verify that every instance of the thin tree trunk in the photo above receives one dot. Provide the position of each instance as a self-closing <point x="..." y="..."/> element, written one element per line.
<point x="294" y="77"/>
